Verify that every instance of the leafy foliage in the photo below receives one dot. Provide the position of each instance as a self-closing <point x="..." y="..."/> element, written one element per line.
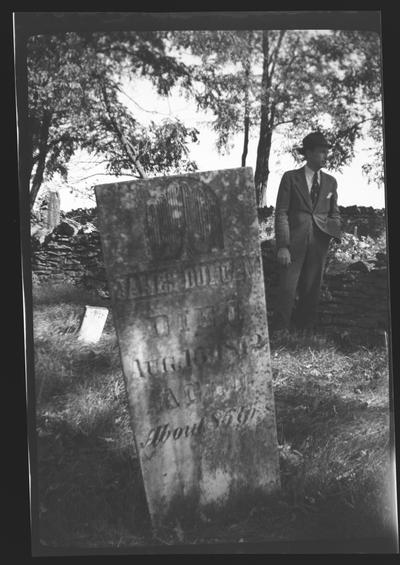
<point x="222" y="77"/>
<point x="354" y="248"/>
<point x="352" y="93"/>
<point x="74" y="83"/>
<point x="253" y="82"/>
<point x="161" y="148"/>
<point x="305" y="80"/>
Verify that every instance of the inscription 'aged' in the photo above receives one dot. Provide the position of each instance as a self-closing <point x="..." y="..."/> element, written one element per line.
<point x="183" y="263"/>
<point x="196" y="391"/>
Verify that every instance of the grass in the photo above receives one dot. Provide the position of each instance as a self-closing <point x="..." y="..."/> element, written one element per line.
<point x="333" y="432"/>
<point x="45" y="294"/>
<point x="332" y="408"/>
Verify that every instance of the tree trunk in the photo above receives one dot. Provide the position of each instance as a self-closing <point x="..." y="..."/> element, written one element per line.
<point x="264" y="147"/>
<point x="264" y="142"/>
<point x="246" y="140"/>
<point x="29" y="140"/>
<point x="246" y="109"/>
<point x="126" y="144"/>
<point x="131" y="152"/>
<point x="41" y="163"/>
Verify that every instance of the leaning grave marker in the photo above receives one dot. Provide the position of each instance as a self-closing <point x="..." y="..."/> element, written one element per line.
<point x="183" y="263"/>
<point x="93" y="324"/>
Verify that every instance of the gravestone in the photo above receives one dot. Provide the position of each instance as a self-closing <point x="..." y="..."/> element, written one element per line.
<point x="93" y="324"/>
<point x="53" y="209"/>
<point x="183" y="262"/>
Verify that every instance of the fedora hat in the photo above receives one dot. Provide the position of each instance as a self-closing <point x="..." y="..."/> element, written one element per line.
<point x="312" y="140"/>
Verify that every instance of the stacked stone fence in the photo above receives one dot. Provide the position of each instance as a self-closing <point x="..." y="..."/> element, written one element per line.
<point x="358" y="220"/>
<point x="71" y="253"/>
<point x="354" y="300"/>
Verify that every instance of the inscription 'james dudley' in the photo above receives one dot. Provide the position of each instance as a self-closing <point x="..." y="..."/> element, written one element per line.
<point x="166" y="281"/>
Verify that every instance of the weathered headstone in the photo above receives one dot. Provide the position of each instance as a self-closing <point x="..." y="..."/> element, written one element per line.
<point x="183" y="262"/>
<point x="93" y="324"/>
<point x="53" y="209"/>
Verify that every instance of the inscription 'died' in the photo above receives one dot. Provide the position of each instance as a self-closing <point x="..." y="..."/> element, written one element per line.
<point x="199" y="318"/>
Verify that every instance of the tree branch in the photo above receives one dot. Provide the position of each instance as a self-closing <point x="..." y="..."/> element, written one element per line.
<point x="283" y="122"/>
<point x="102" y="174"/>
<point x="41" y="157"/>
<point x="275" y="53"/>
<point x="138" y="105"/>
<point x="124" y="141"/>
<point x="289" y="64"/>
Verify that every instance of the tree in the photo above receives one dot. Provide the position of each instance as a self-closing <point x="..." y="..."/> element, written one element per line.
<point x="223" y="80"/>
<point x="74" y="81"/>
<point x="356" y="94"/>
<point x="329" y="81"/>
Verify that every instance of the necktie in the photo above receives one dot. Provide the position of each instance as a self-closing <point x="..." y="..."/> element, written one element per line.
<point x="314" y="189"/>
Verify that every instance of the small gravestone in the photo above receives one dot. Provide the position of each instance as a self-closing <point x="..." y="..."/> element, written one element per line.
<point x="183" y="262"/>
<point x="93" y="324"/>
<point x="53" y="209"/>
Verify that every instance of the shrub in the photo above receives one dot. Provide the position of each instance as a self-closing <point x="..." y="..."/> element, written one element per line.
<point x="353" y="248"/>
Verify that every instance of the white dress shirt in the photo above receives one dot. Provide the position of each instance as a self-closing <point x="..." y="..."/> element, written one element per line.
<point x="310" y="175"/>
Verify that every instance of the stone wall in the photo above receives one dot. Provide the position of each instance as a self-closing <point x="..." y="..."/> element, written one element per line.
<point x="354" y="300"/>
<point x="71" y="253"/>
<point x="362" y="220"/>
<point x="358" y="220"/>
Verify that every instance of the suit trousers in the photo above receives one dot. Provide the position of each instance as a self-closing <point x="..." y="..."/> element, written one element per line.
<point x="304" y="277"/>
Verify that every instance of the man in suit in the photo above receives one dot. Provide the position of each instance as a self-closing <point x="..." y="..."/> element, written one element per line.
<point x="306" y="219"/>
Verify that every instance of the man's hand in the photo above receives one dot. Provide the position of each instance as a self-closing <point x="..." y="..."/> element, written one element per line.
<point x="283" y="256"/>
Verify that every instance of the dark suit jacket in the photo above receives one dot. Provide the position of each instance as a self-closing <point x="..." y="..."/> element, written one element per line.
<point x="294" y="213"/>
